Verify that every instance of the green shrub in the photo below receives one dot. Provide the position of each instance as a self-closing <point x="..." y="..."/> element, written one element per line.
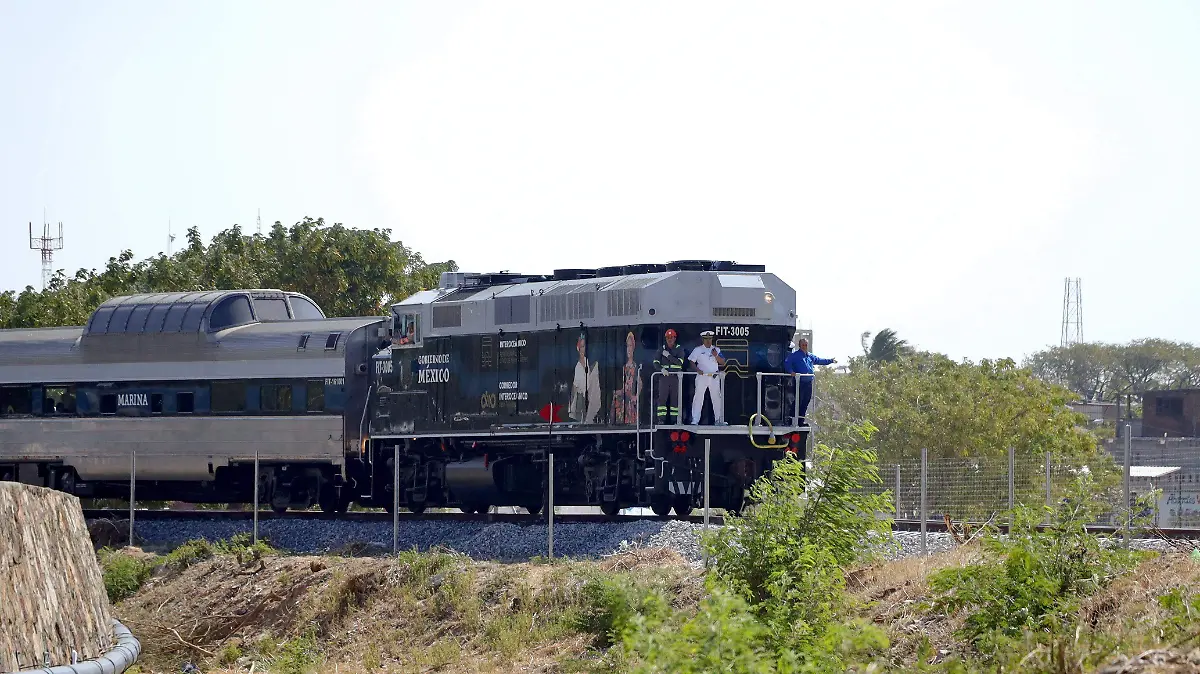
<point x="1032" y="581"/>
<point x="612" y="602"/>
<point x="786" y="556"/>
<point x="188" y="554"/>
<point x="242" y="546"/>
<point x="123" y="575"/>
<point x="776" y="588"/>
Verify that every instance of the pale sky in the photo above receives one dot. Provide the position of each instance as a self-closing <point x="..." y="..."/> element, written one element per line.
<point x="932" y="167"/>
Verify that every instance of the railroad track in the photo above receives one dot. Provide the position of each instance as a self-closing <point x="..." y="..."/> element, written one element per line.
<point x="375" y="516"/>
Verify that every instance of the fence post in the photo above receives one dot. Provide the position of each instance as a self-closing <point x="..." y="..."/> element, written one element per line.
<point x="897" y="490"/>
<point x="707" y="451"/>
<point x="396" y="500"/>
<point x="1128" y="505"/>
<point x="550" y="510"/>
<point x="924" y="504"/>
<point x="1012" y="481"/>
<point x="1049" y="498"/>
<point x="256" y="495"/>
<point x="132" y="491"/>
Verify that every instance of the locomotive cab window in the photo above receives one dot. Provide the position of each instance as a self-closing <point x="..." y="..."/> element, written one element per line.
<point x="408" y="329"/>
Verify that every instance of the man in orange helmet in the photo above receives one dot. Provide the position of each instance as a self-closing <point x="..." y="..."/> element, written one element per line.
<point x="670" y="362"/>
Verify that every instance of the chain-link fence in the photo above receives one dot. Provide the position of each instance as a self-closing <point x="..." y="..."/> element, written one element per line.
<point x="982" y="489"/>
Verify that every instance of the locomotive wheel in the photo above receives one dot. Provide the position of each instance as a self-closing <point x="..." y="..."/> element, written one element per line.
<point x="470" y="508"/>
<point x="661" y="505"/>
<point x="683" y="505"/>
<point x="610" y="508"/>
<point x="279" y="510"/>
<point x="333" y="502"/>
<point x="416" y="508"/>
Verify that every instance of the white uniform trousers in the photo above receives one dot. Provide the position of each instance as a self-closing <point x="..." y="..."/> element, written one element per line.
<point x="712" y="384"/>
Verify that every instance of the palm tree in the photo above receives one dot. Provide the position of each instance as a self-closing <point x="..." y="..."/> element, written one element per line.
<point x="885" y="347"/>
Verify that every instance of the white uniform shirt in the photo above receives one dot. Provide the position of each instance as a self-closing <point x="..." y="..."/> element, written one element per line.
<point x="704" y="360"/>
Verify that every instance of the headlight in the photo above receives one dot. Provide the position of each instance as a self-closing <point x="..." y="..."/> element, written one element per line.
<point x="768" y="297"/>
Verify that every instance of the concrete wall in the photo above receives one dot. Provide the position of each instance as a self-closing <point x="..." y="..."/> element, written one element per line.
<point x="52" y="594"/>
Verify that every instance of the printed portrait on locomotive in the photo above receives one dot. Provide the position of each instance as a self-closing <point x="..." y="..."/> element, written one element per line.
<point x="593" y="377"/>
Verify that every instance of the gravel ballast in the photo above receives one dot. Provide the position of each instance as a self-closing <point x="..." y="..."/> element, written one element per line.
<point x="500" y="541"/>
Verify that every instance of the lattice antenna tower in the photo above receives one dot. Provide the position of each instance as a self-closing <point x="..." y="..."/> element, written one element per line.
<point x="1072" y="316"/>
<point x="47" y="244"/>
<point x="260" y="222"/>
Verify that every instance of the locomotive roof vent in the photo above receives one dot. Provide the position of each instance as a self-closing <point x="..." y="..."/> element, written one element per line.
<point x="713" y="265"/>
<point x="452" y="279"/>
<point x="500" y="278"/>
<point x="573" y="274"/>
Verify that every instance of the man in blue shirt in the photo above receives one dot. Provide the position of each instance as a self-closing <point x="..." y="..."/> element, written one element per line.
<point x="801" y="362"/>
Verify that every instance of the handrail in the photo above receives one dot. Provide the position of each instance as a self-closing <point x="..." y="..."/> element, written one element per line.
<point x="679" y="413"/>
<point x="796" y="398"/>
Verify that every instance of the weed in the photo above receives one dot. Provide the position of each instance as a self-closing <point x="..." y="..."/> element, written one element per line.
<point x="230" y="653"/>
<point x="188" y="554"/>
<point x="298" y="656"/>
<point x="242" y="546"/>
<point x="372" y="660"/>
<point x="123" y="574"/>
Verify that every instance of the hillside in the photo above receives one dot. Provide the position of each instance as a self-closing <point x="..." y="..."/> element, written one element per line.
<point x="421" y="612"/>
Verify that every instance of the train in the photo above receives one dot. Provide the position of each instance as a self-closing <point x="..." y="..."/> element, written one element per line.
<point x="463" y="396"/>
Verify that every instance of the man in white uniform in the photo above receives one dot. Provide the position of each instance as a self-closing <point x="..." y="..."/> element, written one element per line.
<point x="708" y="361"/>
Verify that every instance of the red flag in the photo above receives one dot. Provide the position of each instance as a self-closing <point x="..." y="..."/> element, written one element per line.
<point x="551" y="408"/>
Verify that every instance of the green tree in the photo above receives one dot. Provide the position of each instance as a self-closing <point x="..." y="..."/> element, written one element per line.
<point x="885" y="347"/>
<point x="1110" y="372"/>
<point x="348" y="272"/>
<point x="966" y="416"/>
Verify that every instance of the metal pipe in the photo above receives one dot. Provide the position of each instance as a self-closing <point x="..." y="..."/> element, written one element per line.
<point x="550" y="511"/>
<point x="1049" y="499"/>
<point x="118" y="659"/>
<point x="1012" y="481"/>
<point x="396" y="498"/>
<point x="1128" y="505"/>
<point x="679" y="410"/>
<point x="796" y="401"/>
<point x="924" y="507"/>
<point x="897" y="490"/>
<point x="132" y="491"/>
<point x="758" y="393"/>
<point x="707" y="454"/>
<point x="256" y="495"/>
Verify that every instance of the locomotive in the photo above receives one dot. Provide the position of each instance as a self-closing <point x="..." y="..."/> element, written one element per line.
<point x="488" y="375"/>
<point x="458" y="398"/>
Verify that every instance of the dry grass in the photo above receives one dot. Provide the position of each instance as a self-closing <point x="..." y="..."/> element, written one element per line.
<point x="418" y="613"/>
